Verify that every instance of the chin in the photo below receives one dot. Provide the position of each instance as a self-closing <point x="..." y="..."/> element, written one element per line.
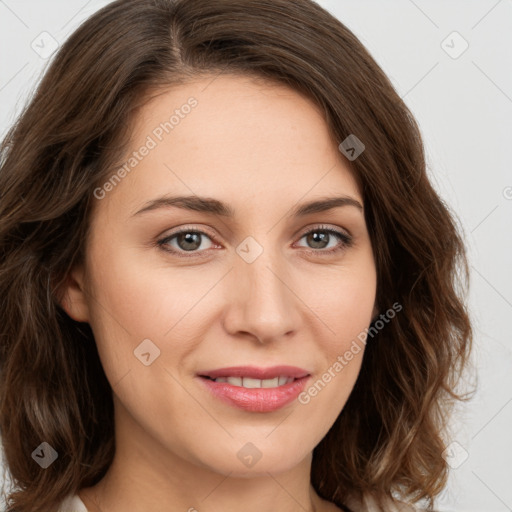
<point x="247" y="461"/>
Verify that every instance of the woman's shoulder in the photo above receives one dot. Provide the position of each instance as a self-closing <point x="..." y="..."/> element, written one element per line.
<point x="72" y="504"/>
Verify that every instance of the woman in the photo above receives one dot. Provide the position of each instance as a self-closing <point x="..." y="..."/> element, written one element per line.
<point x="226" y="279"/>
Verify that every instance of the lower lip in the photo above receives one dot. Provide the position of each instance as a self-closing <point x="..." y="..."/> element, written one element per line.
<point x="256" y="399"/>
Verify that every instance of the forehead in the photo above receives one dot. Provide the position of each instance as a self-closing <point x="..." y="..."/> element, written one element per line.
<point x="241" y="140"/>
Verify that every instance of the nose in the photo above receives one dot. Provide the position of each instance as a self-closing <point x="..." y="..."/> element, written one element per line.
<point x="260" y="299"/>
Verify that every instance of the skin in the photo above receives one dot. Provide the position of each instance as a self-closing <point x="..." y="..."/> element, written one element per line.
<point x="261" y="148"/>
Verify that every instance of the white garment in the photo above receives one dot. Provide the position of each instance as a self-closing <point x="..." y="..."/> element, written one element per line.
<point x="72" y="504"/>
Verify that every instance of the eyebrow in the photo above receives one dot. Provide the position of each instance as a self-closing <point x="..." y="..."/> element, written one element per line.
<point x="216" y="207"/>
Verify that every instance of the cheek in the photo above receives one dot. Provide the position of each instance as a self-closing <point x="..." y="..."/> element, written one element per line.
<point x="354" y="306"/>
<point x="344" y="301"/>
<point x="345" y="306"/>
<point x="131" y="311"/>
<point x="349" y="317"/>
<point x="137" y="297"/>
<point x="125" y="307"/>
<point x="140" y="296"/>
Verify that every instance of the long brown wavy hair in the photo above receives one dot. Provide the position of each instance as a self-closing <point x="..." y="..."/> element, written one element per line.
<point x="388" y="439"/>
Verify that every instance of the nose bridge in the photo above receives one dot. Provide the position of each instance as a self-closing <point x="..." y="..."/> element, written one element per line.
<point x="260" y="301"/>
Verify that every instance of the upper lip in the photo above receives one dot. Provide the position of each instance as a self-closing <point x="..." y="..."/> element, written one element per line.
<point x="256" y="372"/>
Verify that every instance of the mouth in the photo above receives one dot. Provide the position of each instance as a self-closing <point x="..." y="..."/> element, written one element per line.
<point x="255" y="389"/>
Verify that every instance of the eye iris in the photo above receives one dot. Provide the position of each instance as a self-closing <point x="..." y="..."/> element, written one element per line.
<point x="317" y="237"/>
<point x="191" y="241"/>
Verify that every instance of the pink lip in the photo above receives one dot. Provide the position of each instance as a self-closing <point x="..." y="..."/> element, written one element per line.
<point x="256" y="399"/>
<point x="255" y="372"/>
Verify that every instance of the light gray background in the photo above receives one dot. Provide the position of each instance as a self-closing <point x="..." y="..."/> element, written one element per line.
<point x="464" y="108"/>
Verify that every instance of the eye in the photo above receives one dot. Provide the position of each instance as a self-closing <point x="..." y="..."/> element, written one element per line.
<point x="320" y="238"/>
<point x="185" y="241"/>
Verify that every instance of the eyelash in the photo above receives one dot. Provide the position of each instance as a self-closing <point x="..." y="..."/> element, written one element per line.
<point x="346" y="241"/>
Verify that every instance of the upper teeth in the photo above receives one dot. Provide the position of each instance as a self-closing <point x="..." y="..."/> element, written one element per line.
<point x="248" y="382"/>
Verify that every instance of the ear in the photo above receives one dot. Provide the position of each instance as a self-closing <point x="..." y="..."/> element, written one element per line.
<point x="74" y="298"/>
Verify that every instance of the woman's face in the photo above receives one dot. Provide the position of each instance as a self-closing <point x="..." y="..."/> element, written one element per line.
<point x="265" y="286"/>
